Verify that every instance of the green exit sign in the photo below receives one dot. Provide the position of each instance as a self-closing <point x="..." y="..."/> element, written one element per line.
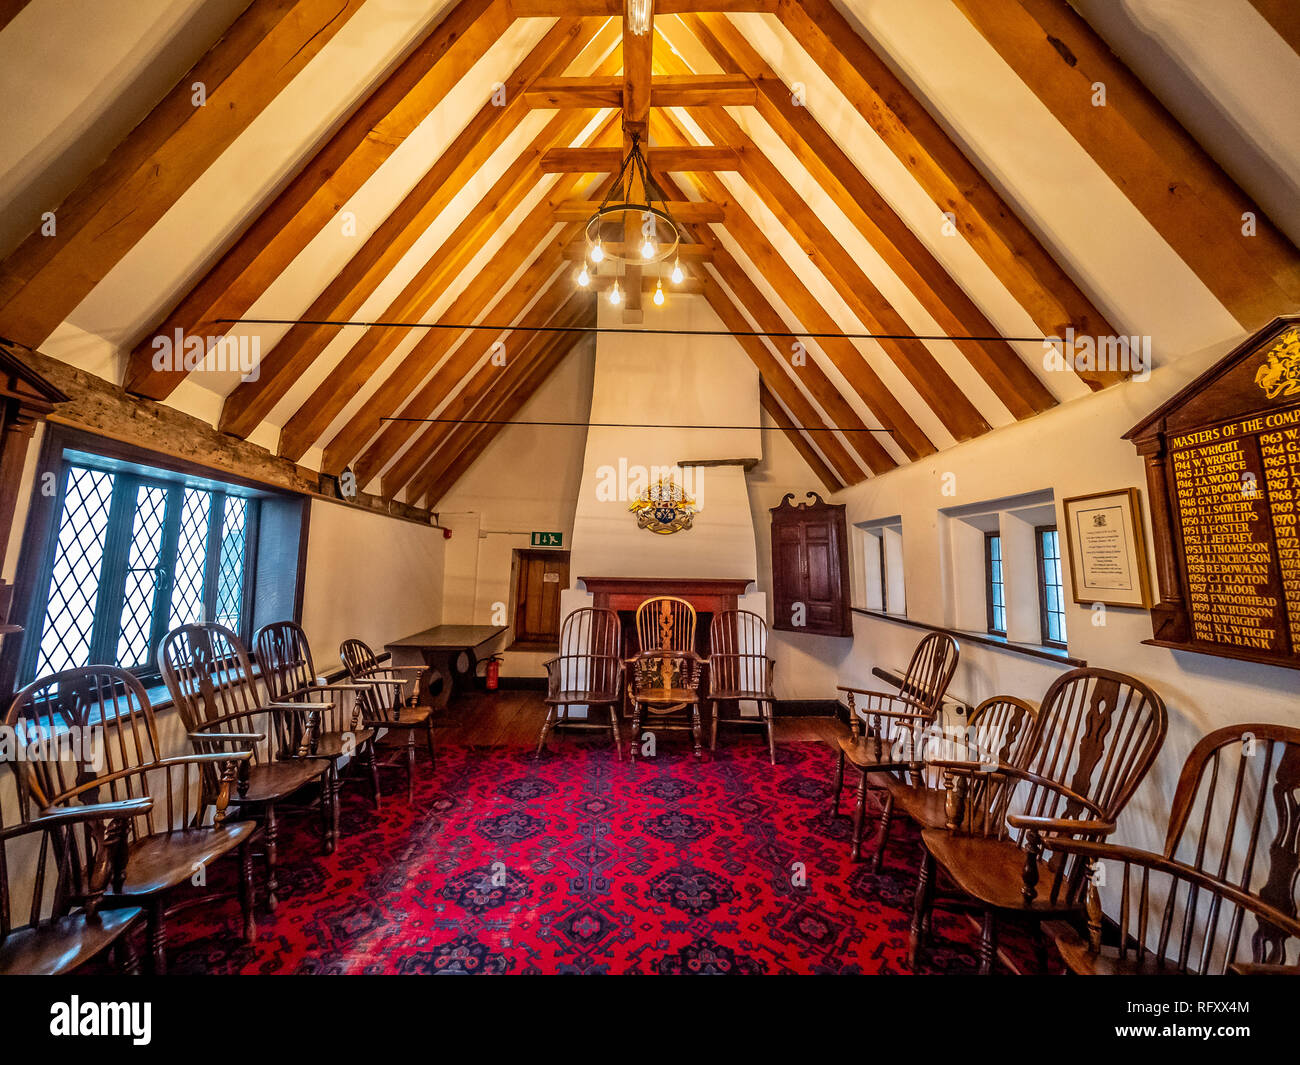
<point x="547" y="539"/>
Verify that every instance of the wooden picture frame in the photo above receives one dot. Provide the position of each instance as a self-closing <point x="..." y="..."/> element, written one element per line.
<point x="1108" y="565"/>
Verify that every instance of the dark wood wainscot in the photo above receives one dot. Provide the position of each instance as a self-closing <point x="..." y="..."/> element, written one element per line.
<point x="1223" y="474"/>
<point x="810" y="567"/>
<point x="25" y="399"/>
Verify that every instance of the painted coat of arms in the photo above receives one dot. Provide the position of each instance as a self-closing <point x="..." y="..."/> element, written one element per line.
<point x="1280" y="374"/>
<point x="664" y="508"/>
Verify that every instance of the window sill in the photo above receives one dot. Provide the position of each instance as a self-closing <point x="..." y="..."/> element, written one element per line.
<point x="1000" y="643"/>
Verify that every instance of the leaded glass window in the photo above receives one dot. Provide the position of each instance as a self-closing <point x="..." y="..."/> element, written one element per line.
<point x="133" y="555"/>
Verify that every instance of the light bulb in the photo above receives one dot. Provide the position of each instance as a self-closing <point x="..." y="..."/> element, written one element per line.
<point x="677" y="272"/>
<point x="615" y="295"/>
<point x="584" y="278"/>
<point x="597" y="251"/>
<point x="659" y="294"/>
<point x="647" y="250"/>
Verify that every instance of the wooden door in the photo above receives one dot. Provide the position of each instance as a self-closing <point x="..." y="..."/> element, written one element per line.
<point x="542" y="575"/>
<point x="810" y="573"/>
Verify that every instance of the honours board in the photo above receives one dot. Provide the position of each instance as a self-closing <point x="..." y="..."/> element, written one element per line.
<point x="1223" y="472"/>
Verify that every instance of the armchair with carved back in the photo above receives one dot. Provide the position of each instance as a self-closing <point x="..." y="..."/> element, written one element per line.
<point x="107" y="714"/>
<point x="1222" y="894"/>
<point x="388" y="706"/>
<point x="70" y="856"/>
<point x="210" y="679"/>
<point x="587" y="672"/>
<point x="664" y="676"/>
<point x="1095" y="737"/>
<point x="740" y="671"/>
<point x="885" y="725"/>
<point x="289" y="673"/>
<point x="995" y="734"/>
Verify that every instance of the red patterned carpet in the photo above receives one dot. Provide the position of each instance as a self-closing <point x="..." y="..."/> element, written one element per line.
<point x="581" y="864"/>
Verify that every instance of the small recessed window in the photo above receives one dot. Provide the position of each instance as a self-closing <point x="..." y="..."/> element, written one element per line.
<point x="1051" y="590"/>
<point x="994" y="587"/>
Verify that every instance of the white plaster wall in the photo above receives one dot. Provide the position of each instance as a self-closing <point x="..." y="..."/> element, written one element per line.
<point x="1072" y="450"/>
<point x="368" y="576"/>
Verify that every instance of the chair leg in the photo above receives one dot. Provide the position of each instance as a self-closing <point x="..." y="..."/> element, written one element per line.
<point x="547" y="725"/>
<point x="771" y="733"/>
<point x="713" y="728"/>
<point x="158" y="935"/>
<point x="272" y="883"/>
<point x="613" y="726"/>
<point x="882" y="839"/>
<point x="246" y="900"/>
<point x="410" y="768"/>
<point x="372" y="764"/>
<point x="859" y="818"/>
<point x="326" y="808"/>
<point x="839" y="787"/>
<point x="988" y="943"/>
<point x="921" y="906"/>
<point x="125" y="956"/>
<point x="428" y="739"/>
<point x="636" y="729"/>
<point x="696" y="730"/>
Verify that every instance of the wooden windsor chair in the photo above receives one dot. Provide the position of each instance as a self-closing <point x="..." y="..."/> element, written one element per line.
<point x="1096" y="735"/>
<point x="740" y="671"/>
<point x="884" y="726"/>
<point x="70" y="855"/>
<point x="210" y="679"/>
<point x="388" y="707"/>
<point x="664" y="676"/>
<point x="995" y="734"/>
<point x="587" y="672"/>
<point x="289" y="673"/>
<point x="1222" y="895"/>
<point x="178" y="834"/>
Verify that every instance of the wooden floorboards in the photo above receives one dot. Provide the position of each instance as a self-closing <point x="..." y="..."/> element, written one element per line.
<point x="514" y="718"/>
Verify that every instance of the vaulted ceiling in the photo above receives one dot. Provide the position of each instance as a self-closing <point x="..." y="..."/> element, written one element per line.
<point x="986" y="170"/>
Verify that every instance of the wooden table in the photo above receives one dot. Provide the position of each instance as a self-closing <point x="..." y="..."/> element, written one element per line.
<point x="442" y="648"/>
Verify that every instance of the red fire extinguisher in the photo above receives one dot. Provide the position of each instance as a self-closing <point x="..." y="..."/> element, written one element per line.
<point x="492" y="678"/>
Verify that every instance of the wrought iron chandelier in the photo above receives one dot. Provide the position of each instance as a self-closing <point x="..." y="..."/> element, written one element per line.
<point x="638" y="16"/>
<point x="629" y="207"/>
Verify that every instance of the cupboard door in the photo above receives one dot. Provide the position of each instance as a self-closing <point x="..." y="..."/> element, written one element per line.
<point x="810" y="573"/>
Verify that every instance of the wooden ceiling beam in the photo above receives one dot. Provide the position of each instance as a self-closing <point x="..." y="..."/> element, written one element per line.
<point x="44" y="279"/>
<point x="1185" y="195"/>
<point x="1019" y="260"/>
<point x="440" y="478"/>
<point x="283" y="365"/>
<point x="9" y="10"/>
<point x="801" y="443"/>
<point x="613" y="8"/>
<point x="1007" y="374"/>
<point x="669" y="160"/>
<point x="638" y="50"/>
<point x="538" y="286"/>
<point x="373" y="131"/>
<point x="685" y="211"/>
<point x="772" y="371"/>
<point x="918" y="365"/>
<point x="475" y="403"/>
<point x="315" y="415"/>
<point x="428" y="353"/>
<point x="842" y="352"/>
<point x="687" y="251"/>
<point x="666" y="90"/>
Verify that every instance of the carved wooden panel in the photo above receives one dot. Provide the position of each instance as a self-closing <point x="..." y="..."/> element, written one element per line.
<point x="1223" y="474"/>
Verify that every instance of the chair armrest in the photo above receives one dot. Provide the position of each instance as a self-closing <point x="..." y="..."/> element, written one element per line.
<point x="306" y="706"/>
<point x="60" y="816"/>
<point x="227" y="737"/>
<point x="1051" y="825"/>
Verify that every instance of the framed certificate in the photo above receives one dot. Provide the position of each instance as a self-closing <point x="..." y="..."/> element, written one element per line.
<point x="1108" y="553"/>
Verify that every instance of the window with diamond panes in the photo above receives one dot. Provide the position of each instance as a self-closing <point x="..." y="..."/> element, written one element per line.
<point x="133" y="556"/>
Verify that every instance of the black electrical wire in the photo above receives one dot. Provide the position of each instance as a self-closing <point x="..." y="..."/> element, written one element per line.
<point x="624" y="329"/>
<point x="622" y="425"/>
